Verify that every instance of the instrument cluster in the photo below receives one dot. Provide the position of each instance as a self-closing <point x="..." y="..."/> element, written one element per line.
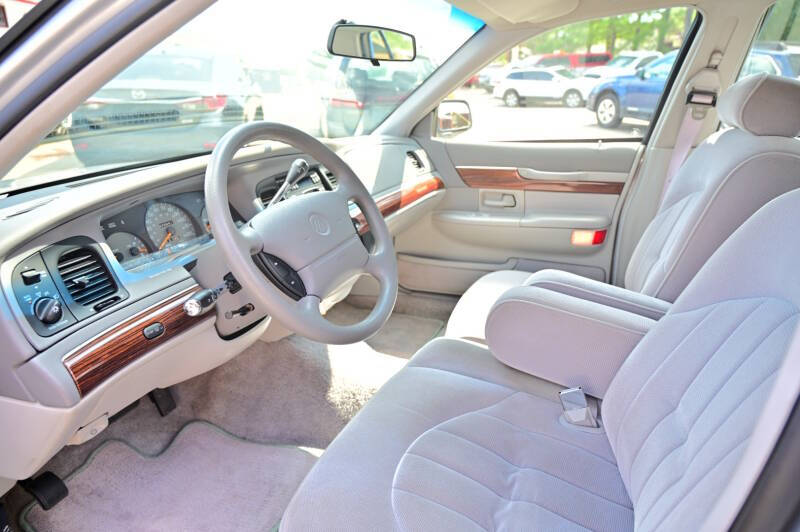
<point x="159" y="228"/>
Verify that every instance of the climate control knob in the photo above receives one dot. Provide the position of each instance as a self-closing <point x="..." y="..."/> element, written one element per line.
<point x="48" y="310"/>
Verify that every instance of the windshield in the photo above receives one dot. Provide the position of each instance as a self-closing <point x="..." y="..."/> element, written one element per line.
<point x="621" y="61"/>
<point x="237" y="62"/>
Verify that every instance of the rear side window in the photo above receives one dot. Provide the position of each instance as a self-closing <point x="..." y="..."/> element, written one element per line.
<point x="776" y="49"/>
<point x="591" y="87"/>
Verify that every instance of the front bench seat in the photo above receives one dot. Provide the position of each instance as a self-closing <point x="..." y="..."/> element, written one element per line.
<point x="458" y="441"/>
<point x="726" y="179"/>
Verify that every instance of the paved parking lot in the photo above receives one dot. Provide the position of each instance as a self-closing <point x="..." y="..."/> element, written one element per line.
<point x="493" y="121"/>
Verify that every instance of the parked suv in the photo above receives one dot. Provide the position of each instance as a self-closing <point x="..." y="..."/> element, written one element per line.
<point x="192" y="97"/>
<point x="577" y="62"/>
<point x="558" y="83"/>
<point x="623" y="63"/>
<point x="633" y="95"/>
<point x="784" y="59"/>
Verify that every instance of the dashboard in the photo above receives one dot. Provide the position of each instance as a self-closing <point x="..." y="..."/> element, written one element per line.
<point x="94" y="275"/>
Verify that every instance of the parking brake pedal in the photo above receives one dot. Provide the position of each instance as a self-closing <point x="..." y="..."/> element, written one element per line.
<point x="48" y="489"/>
<point x="163" y="399"/>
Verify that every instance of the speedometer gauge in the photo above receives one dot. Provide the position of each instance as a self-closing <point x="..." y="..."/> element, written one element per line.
<point x="126" y="246"/>
<point x="168" y="224"/>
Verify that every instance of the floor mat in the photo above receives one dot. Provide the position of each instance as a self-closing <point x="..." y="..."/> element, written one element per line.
<point x="206" y="479"/>
<point x="402" y="335"/>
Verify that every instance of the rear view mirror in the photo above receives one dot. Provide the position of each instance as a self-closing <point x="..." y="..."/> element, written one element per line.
<point x="641" y="73"/>
<point x="371" y="42"/>
<point x="453" y="116"/>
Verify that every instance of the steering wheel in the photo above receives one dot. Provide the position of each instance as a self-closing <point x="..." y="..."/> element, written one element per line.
<point x="312" y="236"/>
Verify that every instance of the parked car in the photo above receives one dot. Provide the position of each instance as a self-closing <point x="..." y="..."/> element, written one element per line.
<point x="193" y="97"/>
<point x="573" y="61"/>
<point x="623" y="63"/>
<point x="544" y="84"/>
<point x="491" y="76"/>
<point x="361" y="97"/>
<point x="786" y="58"/>
<point x="472" y="81"/>
<point x="632" y="95"/>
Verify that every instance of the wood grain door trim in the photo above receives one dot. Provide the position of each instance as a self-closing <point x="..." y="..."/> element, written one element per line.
<point x="95" y="361"/>
<point x="394" y="201"/>
<point x="501" y="177"/>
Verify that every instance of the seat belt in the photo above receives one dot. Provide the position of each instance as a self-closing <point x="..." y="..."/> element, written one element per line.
<point x="701" y="96"/>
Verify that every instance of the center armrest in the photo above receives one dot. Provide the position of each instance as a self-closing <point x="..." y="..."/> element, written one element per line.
<point x="599" y="292"/>
<point x="562" y="338"/>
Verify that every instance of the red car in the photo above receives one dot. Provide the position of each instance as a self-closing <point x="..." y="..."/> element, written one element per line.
<point x="574" y="61"/>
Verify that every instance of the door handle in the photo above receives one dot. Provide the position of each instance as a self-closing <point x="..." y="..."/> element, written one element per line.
<point x="505" y="201"/>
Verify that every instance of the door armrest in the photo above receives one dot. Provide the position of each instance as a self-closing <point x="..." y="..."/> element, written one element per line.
<point x="562" y="338"/>
<point x="598" y="292"/>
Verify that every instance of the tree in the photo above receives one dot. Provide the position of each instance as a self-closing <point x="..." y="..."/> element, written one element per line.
<point x="787" y="28"/>
<point x="647" y="30"/>
<point x="611" y="35"/>
<point x="661" y="31"/>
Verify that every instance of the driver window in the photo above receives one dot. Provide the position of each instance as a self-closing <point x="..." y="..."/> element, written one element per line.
<point x="600" y="91"/>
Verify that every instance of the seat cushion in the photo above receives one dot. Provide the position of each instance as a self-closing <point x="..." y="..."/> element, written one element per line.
<point x="458" y="441"/>
<point x="468" y="319"/>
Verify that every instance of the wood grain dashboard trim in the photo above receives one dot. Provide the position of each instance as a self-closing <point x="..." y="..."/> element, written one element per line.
<point x="391" y="203"/>
<point x="509" y="178"/>
<point x="95" y="361"/>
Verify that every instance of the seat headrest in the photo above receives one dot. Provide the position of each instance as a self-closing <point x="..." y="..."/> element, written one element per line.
<point x="763" y="105"/>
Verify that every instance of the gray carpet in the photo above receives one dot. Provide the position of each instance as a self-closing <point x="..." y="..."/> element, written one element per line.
<point x="205" y="480"/>
<point x="292" y="392"/>
<point x="402" y="336"/>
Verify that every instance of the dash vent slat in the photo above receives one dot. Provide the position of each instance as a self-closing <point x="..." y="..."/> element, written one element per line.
<point x="86" y="276"/>
<point x="415" y="160"/>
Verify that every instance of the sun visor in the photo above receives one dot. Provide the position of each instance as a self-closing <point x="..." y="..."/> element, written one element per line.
<point x="504" y="12"/>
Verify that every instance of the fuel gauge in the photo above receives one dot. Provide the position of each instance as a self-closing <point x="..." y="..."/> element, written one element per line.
<point x="126" y="246"/>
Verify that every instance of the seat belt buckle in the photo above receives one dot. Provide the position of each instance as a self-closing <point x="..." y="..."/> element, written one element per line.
<point x="701" y="98"/>
<point x="577" y="410"/>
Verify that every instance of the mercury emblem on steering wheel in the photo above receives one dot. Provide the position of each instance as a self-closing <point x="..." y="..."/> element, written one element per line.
<point x="320" y="224"/>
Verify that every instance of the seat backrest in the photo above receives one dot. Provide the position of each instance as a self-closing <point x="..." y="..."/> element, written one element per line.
<point x="726" y="179"/>
<point x="682" y="407"/>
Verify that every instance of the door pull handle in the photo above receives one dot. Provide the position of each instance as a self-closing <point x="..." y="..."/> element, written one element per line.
<point x="506" y="201"/>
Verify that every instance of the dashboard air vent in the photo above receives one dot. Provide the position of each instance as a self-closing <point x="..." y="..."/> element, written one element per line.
<point x="415" y="161"/>
<point x="86" y="276"/>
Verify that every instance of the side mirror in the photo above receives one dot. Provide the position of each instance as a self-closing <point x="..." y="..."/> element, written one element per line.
<point x="453" y="116"/>
<point x="371" y="42"/>
<point x="641" y="73"/>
